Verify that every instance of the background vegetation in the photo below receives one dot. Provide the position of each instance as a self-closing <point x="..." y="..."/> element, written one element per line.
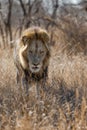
<point x="64" y="102"/>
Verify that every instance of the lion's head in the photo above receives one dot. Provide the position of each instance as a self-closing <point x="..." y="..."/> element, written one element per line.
<point x="34" y="52"/>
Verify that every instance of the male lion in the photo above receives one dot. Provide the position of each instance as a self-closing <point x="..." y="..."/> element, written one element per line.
<point x="32" y="53"/>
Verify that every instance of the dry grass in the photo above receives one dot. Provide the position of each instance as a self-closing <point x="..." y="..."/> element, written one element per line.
<point x="64" y="104"/>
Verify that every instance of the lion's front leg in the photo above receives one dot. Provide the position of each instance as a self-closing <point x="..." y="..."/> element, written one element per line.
<point x="25" y="85"/>
<point x="26" y="82"/>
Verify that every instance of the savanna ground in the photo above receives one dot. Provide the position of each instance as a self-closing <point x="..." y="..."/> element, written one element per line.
<point x="64" y="103"/>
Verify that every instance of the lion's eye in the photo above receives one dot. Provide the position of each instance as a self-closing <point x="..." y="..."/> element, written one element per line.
<point x="41" y="52"/>
<point x="30" y="52"/>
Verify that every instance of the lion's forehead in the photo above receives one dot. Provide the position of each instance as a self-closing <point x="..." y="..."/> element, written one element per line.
<point x="37" y="45"/>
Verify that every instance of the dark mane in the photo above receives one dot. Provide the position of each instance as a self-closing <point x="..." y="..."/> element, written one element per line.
<point x="35" y="77"/>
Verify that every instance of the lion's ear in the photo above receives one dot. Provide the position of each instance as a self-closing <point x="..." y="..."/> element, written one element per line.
<point x="45" y="37"/>
<point x="24" y="39"/>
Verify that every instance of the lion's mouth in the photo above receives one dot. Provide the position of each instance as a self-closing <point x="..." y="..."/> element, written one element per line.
<point x="35" y="67"/>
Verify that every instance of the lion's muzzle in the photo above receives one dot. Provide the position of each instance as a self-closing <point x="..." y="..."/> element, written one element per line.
<point x="35" y="68"/>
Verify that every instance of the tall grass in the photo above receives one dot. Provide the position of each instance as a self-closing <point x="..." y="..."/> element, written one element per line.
<point x="63" y="105"/>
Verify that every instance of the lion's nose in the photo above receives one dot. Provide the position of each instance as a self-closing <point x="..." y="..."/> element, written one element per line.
<point x="35" y="64"/>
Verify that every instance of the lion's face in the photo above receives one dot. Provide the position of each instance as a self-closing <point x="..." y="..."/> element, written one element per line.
<point x="34" y="50"/>
<point x="36" y="54"/>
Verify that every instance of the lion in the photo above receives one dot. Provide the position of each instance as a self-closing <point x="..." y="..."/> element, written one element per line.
<point x="32" y="54"/>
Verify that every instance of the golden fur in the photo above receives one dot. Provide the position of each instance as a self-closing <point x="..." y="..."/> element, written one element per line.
<point x="38" y="32"/>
